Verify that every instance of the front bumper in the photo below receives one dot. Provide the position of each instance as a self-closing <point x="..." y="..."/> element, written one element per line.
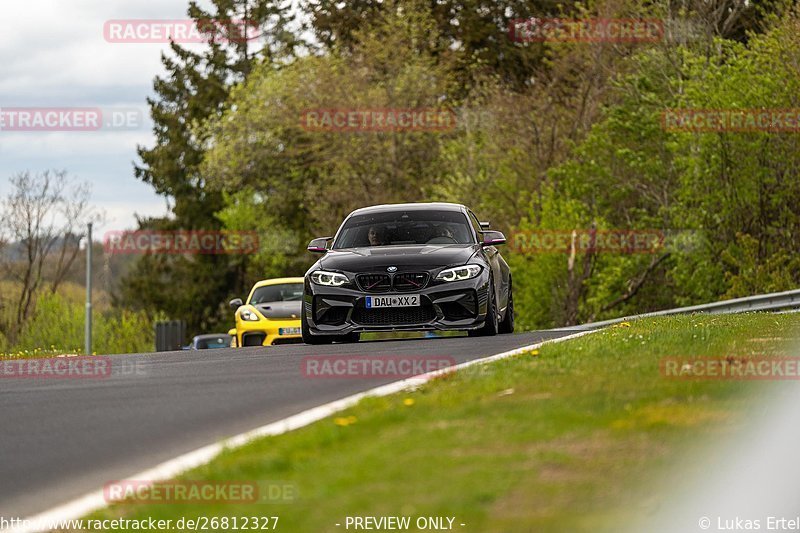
<point x="454" y="306"/>
<point x="267" y="332"/>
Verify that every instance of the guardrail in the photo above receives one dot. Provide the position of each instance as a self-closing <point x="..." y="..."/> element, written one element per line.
<point x="775" y="301"/>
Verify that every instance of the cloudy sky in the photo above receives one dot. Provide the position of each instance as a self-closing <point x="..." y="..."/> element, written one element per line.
<point x="54" y="54"/>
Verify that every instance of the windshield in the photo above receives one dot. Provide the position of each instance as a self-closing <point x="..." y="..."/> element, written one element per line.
<point x="404" y="227"/>
<point x="282" y="292"/>
<point x="223" y="341"/>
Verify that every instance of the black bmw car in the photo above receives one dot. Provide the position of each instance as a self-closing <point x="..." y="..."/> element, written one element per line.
<point x="407" y="267"/>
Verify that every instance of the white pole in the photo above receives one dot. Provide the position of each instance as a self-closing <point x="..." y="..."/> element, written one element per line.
<point x="88" y="332"/>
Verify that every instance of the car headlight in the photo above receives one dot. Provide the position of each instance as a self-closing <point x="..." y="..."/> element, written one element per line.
<point x="248" y="315"/>
<point x="330" y="279"/>
<point x="459" y="273"/>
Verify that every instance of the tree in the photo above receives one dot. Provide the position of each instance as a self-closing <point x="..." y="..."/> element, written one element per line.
<point x="195" y="89"/>
<point x="308" y="180"/>
<point x="476" y="32"/>
<point x="42" y="220"/>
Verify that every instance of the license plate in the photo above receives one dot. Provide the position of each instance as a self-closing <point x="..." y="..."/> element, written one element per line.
<point x="289" y="331"/>
<point x="407" y="300"/>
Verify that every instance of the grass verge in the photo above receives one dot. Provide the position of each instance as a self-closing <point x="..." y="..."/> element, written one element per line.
<point x="564" y="439"/>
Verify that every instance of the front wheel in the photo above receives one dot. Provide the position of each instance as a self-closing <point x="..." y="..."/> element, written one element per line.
<point x="507" y="325"/>
<point x="350" y="337"/>
<point x="489" y="328"/>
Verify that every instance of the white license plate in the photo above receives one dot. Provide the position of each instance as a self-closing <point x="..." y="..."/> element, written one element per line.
<point x="406" y="300"/>
<point x="289" y="331"/>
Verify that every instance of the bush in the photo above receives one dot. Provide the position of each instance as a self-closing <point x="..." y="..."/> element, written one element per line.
<point x="58" y="324"/>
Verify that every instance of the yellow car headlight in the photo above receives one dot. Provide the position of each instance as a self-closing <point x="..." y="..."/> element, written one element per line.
<point x="248" y="315"/>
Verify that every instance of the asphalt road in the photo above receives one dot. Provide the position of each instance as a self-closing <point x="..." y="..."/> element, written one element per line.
<point x="63" y="438"/>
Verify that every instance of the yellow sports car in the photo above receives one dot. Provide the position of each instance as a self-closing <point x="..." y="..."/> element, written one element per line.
<point x="271" y="314"/>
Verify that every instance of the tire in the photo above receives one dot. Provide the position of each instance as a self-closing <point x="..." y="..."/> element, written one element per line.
<point x="350" y="337"/>
<point x="489" y="328"/>
<point x="507" y="325"/>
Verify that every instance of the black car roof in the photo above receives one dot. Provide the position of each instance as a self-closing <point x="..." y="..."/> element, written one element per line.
<point x="421" y="206"/>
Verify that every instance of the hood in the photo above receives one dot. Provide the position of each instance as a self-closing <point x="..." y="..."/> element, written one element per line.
<point x="278" y="310"/>
<point x="411" y="257"/>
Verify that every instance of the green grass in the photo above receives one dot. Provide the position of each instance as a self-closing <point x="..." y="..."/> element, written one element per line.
<point x="576" y="437"/>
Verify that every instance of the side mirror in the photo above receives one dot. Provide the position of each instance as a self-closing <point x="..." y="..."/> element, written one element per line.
<point x="319" y="245"/>
<point x="236" y="303"/>
<point x="493" y="238"/>
<point x="484" y="225"/>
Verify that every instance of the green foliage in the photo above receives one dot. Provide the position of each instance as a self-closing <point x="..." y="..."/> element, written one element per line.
<point x="473" y="34"/>
<point x="58" y="324"/>
<point x="550" y="136"/>
<point x="736" y="193"/>
<point x="278" y="245"/>
<point x="311" y="179"/>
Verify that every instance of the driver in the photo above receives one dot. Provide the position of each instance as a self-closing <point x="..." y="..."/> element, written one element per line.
<point x="375" y="236"/>
<point x="444" y="231"/>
